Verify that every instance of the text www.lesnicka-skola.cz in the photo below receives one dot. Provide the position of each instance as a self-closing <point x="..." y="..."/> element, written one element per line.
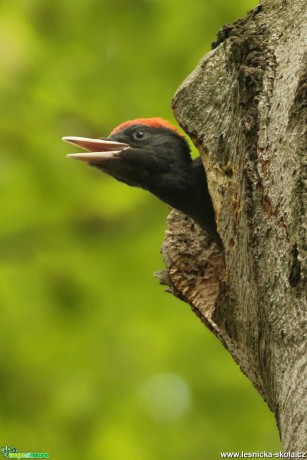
<point x="263" y="454"/>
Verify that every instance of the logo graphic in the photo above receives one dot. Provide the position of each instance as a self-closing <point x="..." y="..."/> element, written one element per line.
<point x="12" y="452"/>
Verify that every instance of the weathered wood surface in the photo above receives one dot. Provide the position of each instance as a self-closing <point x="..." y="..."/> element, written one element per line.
<point x="244" y="107"/>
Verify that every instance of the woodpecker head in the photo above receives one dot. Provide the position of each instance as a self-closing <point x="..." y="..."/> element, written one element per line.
<point x="139" y="152"/>
<point x="150" y="153"/>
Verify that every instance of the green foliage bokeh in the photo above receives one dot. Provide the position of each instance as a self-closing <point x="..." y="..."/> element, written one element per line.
<point x="96" y="361"/>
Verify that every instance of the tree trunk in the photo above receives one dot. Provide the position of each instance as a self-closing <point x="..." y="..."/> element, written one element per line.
<point x="243" y="107"/>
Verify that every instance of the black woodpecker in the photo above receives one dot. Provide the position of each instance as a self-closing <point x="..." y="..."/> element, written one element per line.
<point x="150" y="153"/>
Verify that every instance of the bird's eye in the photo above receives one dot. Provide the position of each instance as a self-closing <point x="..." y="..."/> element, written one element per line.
<point x="139" y="135"/>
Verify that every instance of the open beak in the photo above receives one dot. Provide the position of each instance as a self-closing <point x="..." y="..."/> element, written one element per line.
<point x="98" y="150"/>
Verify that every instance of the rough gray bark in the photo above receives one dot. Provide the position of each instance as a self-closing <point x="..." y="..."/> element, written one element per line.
<point x="243" y="107"/>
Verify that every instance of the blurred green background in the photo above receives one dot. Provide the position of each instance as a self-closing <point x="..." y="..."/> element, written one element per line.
<point x="96" y="361"/>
